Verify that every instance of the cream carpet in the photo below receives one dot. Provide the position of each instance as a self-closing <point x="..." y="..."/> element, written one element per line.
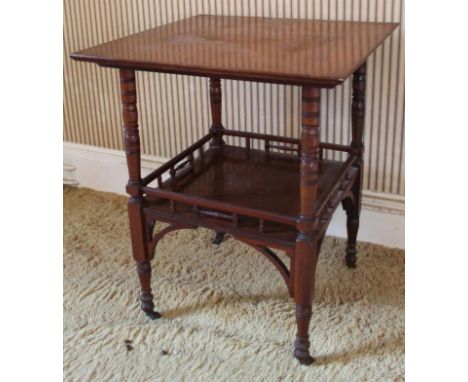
<point x="226" y="312"/>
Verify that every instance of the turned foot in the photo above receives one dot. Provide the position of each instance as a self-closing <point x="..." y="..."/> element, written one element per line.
<point x="218" y="238"/>
<point x="301" y="351"/>
<point x="351" y="251"/>
<point x="302" y="343"/>
<point x="146" y="297"/>
<point x="351" y="257"/>
<point x="147" y="305"/>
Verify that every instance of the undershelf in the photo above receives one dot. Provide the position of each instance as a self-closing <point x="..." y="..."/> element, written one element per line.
<point x="245" y="191"/>
<point x="382" y="215"/>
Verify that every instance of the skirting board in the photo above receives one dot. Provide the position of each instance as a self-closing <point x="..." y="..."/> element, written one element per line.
<point x="382" y="215"/>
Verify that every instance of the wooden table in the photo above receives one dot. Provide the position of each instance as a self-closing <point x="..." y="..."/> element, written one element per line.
<point x="280" y="197"/>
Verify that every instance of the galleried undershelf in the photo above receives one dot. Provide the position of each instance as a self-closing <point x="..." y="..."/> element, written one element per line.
<point x="271" y="192"/>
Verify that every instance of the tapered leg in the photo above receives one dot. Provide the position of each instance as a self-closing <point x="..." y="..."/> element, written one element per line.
<point x="352" y="226"/>
<point x="304" y="285"/>
<point x="307" y="242"/>
<point x="146" y="297"/>
<point x="353" y="209"/>
<point x="138" y="230"/>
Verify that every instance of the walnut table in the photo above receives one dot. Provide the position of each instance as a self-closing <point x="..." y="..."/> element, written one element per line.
<point x="281" y="197"/>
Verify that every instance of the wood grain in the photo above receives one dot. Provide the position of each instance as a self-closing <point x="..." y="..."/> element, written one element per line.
<point x="320" y="53"/>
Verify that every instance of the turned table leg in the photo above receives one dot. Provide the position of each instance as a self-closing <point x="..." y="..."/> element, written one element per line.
<point x="306" y="251"/>
<point x="216" y="97"/>
<point x="353" y="208"/>
<point x="136" y="200"/>
<point x="215" y="104"/>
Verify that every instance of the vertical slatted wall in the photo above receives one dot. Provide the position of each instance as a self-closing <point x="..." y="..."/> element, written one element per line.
<point x="174" y="110"/>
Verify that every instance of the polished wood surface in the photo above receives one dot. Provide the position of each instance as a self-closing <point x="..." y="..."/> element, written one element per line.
<point x="352" y="206"/>
<point x="281" y="196"/>
<point x="136" y="201"/>
<point x="246" y="180"/>
<point x="306" y="251"/>
<point x="301" y="52"/>
<point x="265" y="179"/>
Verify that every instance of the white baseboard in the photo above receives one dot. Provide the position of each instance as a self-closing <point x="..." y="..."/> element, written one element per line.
<point x="382" y="216"/>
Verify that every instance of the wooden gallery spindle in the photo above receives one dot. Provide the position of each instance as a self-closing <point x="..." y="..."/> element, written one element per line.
<point x="353" y="207"/>
<point x="136" y="200"/>
<point x="306" y="252"/>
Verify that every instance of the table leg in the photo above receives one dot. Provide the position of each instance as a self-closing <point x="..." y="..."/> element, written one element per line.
<point x="215" y="104"/>
<point x="136" y="200"/>
<point x="216" y="97"/>
<point x="353" y="208"/>
<point x="306" y="251"/>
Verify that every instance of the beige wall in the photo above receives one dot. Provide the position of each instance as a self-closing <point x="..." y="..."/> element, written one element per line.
<point x="174" y="110"/>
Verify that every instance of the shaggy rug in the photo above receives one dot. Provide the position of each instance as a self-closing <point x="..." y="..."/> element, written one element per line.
<point x="226" y="312"/>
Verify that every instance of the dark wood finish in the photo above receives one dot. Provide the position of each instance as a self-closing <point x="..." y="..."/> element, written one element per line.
<point x="282" y="196"/>
<point x="276" y="261"/>
<point x="215" y="105"/>
<point x="258" y="194"/>
<point x="152" y="243"/>
<point x="136" y="201"/>
<point x="247" y="48"/>
<point x="216" y="129"/>
<point x="353" y="205"/>
<point x="256" y="197"/>
<point x="146" y="297"/>
<point x="306" y="251"/>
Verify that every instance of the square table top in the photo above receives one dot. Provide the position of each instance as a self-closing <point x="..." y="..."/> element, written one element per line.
<point x="290" y="51"/>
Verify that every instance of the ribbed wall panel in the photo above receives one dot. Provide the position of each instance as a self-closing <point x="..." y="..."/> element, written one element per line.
<point x="174" y="110"/>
